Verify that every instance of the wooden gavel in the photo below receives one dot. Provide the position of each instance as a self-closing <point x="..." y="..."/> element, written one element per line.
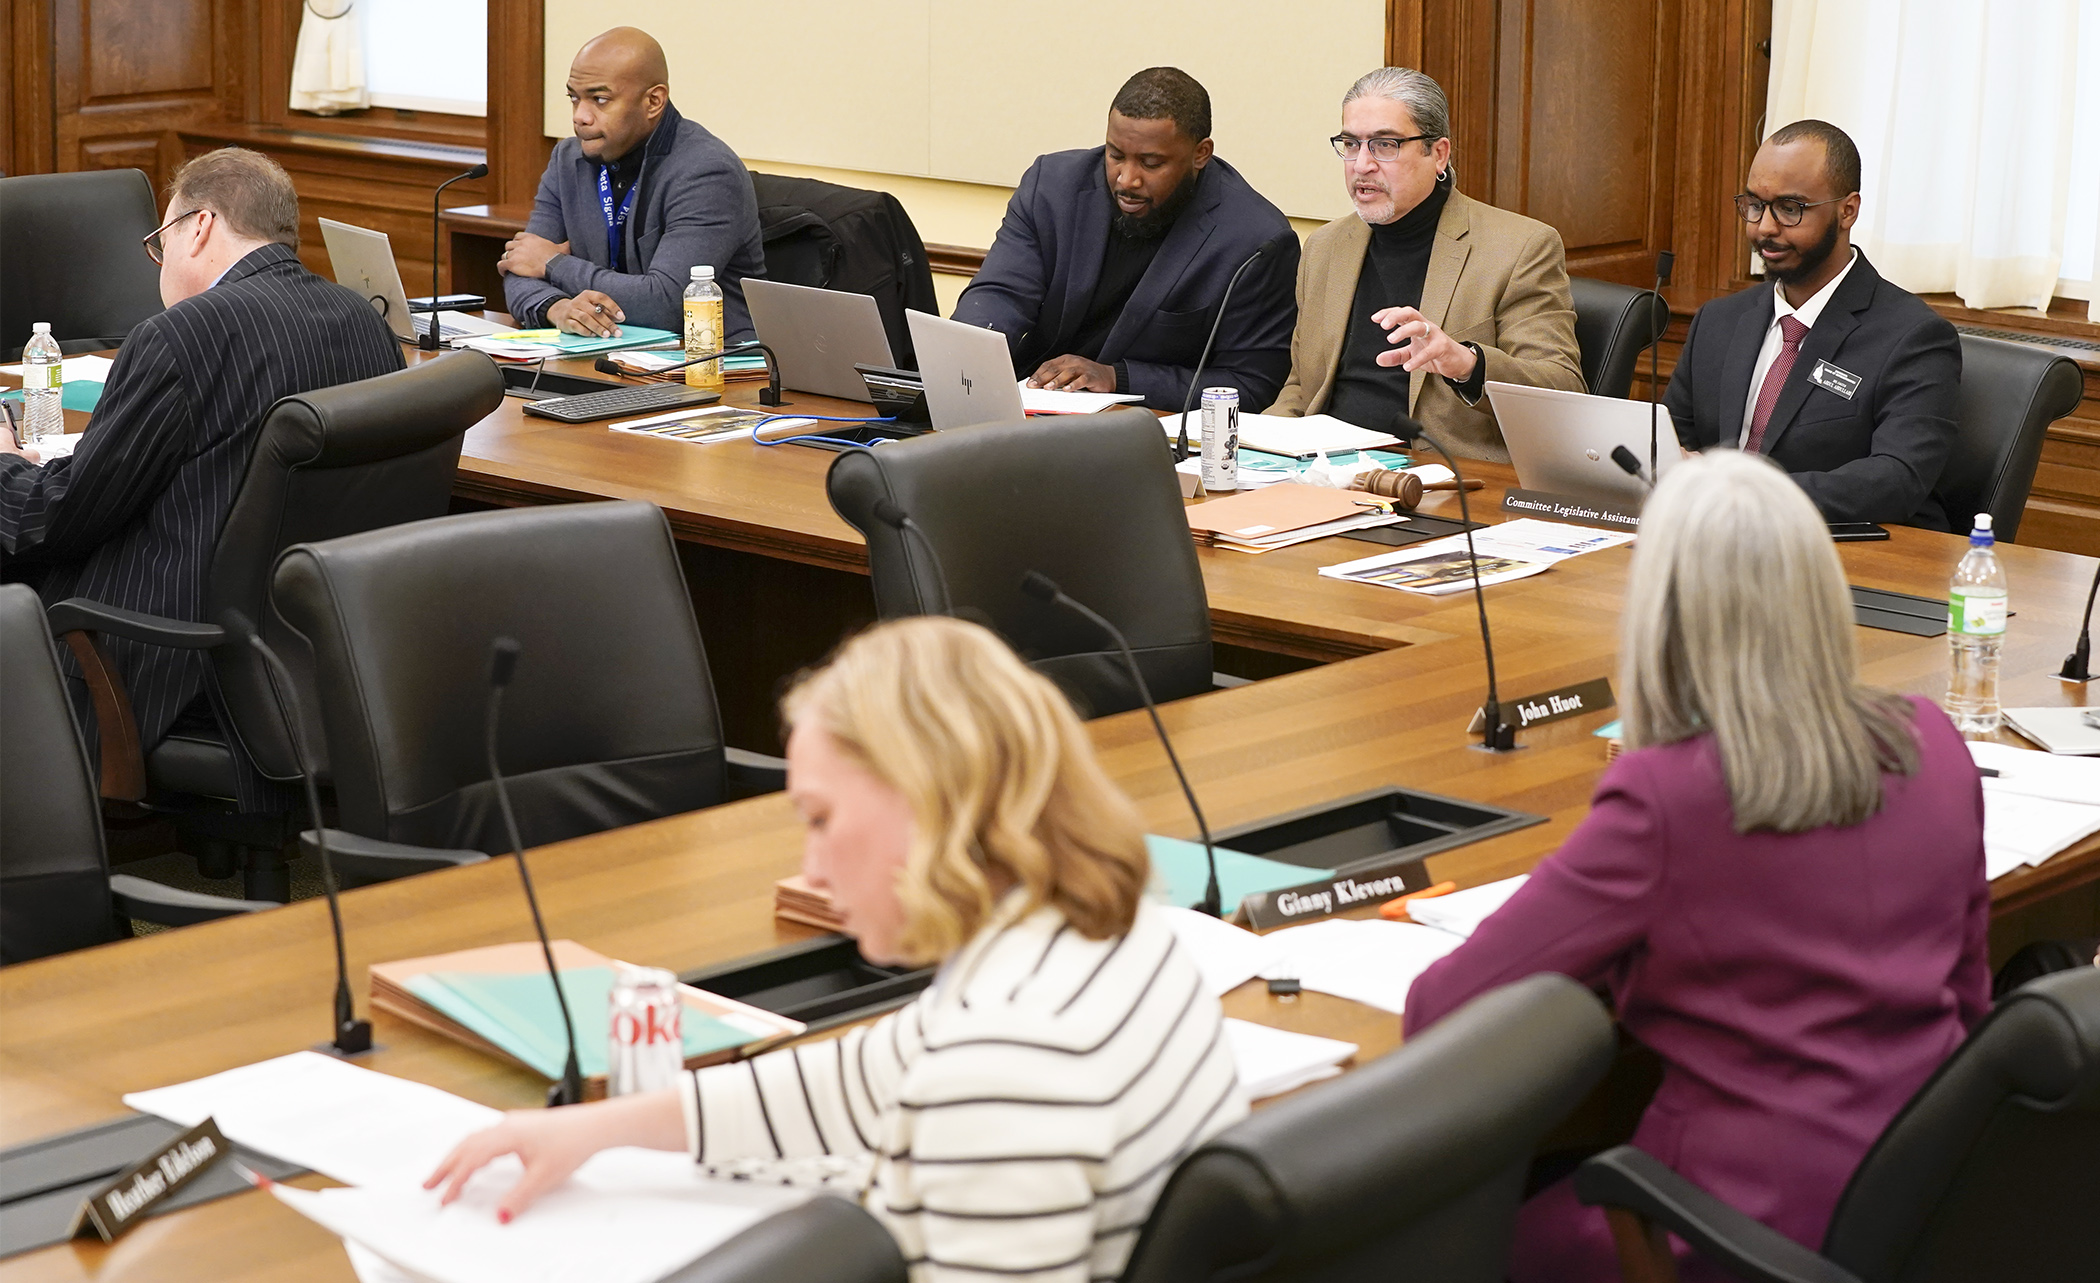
<point x="1405" y="489"/>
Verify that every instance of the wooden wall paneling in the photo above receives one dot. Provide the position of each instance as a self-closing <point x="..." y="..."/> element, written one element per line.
<point x="1722" y="73"/>
<point x="28" y="139"/>
<point x="517" y="146"/>
<point x="126" y="73"/>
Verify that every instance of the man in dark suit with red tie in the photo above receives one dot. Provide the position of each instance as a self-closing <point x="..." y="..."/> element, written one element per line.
<point x="1847" y="381"/>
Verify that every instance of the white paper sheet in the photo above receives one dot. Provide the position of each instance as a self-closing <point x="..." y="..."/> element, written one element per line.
<point x="1369" y="962"/>
<point x="73" y="369"/>
<point x="2023" y="770"/>
<point x="1274" y="1061"/>
<point x="1300" y="437"/>
<point x="357" y="1126"/>
<point x="2020" y="829"/>
<point x="1462" y="912"/>
<point x="1533" y="545"/>
<point x="1049" y="401"/>
<point x="1228" y="956"/>
<point x="625" y="1217"/>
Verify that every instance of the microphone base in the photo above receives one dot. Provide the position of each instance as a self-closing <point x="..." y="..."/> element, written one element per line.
<point x="560" y="1094"/>
<point x="1499" y="738"/>
<point x="772" y="397"/>
<point x="2070" y="674"/>
<point x="353" y="1039"/>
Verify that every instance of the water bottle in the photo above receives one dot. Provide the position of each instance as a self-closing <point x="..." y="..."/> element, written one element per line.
<point x="1976" y="634"/>
<point x="42" y="374"/>
<point x="703" y="328"/>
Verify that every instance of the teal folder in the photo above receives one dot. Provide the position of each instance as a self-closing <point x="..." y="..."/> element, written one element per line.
<point x="517" y="1012"/>
<point x="1179" y="867"/>
<point x="587" y="345"/>
<point x="1610" y="730"/>
<point x="77" y="395"/>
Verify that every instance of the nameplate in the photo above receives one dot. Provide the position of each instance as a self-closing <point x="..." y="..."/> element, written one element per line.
<point x="1553" y="705"/>
<point x="1265" y="909"/>
<point x="1560" y="507"/>
<point x="151" y="1181"/>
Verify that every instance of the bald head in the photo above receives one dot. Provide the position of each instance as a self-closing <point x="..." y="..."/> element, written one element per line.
<point x="618" y="88"/>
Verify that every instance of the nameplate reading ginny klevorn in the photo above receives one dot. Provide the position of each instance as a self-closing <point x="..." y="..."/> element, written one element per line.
<point x="1568" y="701"/>
<point x="151" y="1181"/>
<point x="1560" y="507"/>
<point x="1265" y="909"/>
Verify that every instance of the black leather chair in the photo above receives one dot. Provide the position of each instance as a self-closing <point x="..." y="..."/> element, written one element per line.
<point x="70" y="254"/>
<point x="1614" y="323"/>
<point x="56" y="892"/>
<point x="1089" y="500"/>
<point x="1992" y="1171"/>
<point x="1410" y="1167"/>
<point x="843" y="238"/>
<point x="2010" y="394"/>
<point x="610" y="719"/>
<point x="327" y="463"/>
<point x="825" y="1240"/>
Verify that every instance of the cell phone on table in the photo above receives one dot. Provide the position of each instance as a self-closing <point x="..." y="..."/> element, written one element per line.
<point x="1856" y="531"/>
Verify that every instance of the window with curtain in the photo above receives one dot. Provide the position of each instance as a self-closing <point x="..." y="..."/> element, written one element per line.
<point x="1978" y="126"/>
<point x="416" y="55"/>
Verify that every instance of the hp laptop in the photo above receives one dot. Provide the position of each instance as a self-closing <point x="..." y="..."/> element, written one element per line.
<point x="968" y="372"/>
<point x="818" y="336"/>
<point x="1561" y="442"/>
<point x="363" y="260"/>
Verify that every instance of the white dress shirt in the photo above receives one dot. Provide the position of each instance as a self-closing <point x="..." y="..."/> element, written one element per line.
<point x="1774" y="340"/>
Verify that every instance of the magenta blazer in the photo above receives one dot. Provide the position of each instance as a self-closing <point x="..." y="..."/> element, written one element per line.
<point x="1799" y="988"/>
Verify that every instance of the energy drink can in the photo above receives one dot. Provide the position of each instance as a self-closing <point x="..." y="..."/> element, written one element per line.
<point x="1221" y="438"/>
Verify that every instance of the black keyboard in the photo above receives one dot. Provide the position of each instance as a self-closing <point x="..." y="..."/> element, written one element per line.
<point x="648" y="398"/>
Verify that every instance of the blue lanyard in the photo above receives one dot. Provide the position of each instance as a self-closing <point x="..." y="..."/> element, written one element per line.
<point x="615" y="222"/>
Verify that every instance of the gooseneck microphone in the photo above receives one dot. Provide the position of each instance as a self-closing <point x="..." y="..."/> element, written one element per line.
<point x="1664" y="261"/>
<point x="352" y="1036"/>
<point x="503" y="662"/>
<point x="431" y="341"/>
<point x="2078" y="665"/>
<point x="1496" y="735"/>
<point x="1044" y="589"/>
<point x="1267" y="247"/>
<point x="896" y="518"/>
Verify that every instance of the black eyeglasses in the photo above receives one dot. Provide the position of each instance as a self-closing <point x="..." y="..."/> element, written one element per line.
<point x="151" y="240"/>
<point x="1382" y="149"/>
<point x="1786" y="209"/>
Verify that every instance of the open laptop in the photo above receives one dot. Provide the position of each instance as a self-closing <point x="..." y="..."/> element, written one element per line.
<point x="1561" y="442"/>
<point x="363" y="260"/>
<point x="968" y="372"/>
<point x="818" y="336"/>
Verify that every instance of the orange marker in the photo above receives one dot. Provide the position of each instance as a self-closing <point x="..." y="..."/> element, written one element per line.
<point x="1396" y="910"/>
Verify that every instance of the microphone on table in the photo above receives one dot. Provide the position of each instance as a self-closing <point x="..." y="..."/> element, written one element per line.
<point x="2078" y="665"/>
<point x="896" y="518"/>
<point x="1267" y="247"/>
<point x="430" y="341"/>
<point x="1044" y="589"/>
<point x="771" y="396"/>
<point x="1496" y="735"/>
<point x="1664" y="261"/>
<point x="352" y="1036"/>
<point x="1630" y="463"/>
<point x="503" y="662"/>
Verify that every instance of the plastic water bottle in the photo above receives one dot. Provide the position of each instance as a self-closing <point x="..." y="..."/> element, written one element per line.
<point x="703" y="328"/>
<point x="1976" y="633"/>
<point x="43" y="368"/>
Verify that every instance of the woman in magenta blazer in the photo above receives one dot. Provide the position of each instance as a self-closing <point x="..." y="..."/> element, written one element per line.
<point x="1780" y="882"/>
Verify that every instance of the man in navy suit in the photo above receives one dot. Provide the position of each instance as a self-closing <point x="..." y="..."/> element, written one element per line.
<point x="1848" y="382"/>
<point x="1108" y="270"/>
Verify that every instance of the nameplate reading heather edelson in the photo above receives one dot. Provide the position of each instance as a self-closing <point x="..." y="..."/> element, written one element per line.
<point x="1569" y="701"/>
<point x="1265" y="909"/>
<point x="151" y="1181"/>
<point x="1560" y="507"/>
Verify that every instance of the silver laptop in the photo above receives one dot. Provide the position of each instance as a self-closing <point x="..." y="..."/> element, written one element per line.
<point x="1561" y="442"/>
<point x="818" y="336"/>
<point x="363" y="260"/>
<point x="968" y="372"/>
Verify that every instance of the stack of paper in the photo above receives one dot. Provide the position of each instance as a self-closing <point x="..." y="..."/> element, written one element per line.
<point x="1462" y="912"/>
<point x="1274" y="1061"/>
<point x="1299" y="438"/>
<point x="533" y="345"/>
<point x="1049" y="401"/>
<point x="1512" y="550"/>
<point x="2035" y="806"/>
<point x="710" y="424"/>
<point x="1373" y="962"/>
<point x="1290" y="512"/>
<point x="797" y="901"/>
<point x="1228" y="956"/>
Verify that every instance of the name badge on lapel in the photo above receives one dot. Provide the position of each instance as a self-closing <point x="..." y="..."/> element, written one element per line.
<point x="1831" y="378"/>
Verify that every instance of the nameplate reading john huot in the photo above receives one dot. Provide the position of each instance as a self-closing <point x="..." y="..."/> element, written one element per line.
<point x="148" y="1183"/>
<point x="1568" y="701"/>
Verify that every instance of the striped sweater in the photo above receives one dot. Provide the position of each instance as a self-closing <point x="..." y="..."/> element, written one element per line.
<point x="1017" y="1120"/>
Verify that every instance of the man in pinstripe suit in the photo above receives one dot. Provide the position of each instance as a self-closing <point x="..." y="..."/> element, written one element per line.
<point x="131" y="517"/>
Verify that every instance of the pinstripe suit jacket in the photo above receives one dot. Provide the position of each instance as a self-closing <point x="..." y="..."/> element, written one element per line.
<point x="131" y="518"/>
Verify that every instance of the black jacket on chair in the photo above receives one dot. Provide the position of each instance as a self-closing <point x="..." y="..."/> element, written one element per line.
<point x="843" y="238"/>
<point x="1873" y="456"/>
<point x="130" y="519"/>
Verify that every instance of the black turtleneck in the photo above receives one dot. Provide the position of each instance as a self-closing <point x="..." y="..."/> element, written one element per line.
<point x="1396" y="263"/>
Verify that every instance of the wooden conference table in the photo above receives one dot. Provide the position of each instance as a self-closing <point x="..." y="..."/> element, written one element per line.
<point x="78" y="1031"/>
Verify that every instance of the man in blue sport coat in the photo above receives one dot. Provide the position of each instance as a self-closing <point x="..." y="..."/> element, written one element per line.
<point x="630" y="204"/>
<point x="1109" y="267"/>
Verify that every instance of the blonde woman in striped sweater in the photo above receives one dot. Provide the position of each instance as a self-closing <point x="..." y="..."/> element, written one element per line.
<point x="1020" y="1117"/>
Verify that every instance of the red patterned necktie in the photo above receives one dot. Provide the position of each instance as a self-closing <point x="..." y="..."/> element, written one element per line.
<point x="1791" y="332"/>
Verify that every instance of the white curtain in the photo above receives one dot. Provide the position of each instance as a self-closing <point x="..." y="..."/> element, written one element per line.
<point x="328" y="64"/>
<point x="1978" y="125"/>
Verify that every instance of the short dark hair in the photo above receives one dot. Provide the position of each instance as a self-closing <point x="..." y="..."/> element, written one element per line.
<point x="1166" y="93"/>
<point x="246" y="188"/>
<point x="1840" y="156"/>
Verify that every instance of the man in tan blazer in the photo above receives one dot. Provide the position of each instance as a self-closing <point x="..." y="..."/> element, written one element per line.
<point x="1422" y="295"/>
